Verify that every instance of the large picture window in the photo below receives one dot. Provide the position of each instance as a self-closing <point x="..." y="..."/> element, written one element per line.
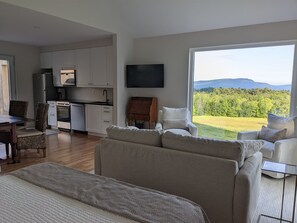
<point x="233" y="89"/>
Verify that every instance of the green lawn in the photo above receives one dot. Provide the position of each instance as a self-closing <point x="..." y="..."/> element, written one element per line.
<point x="226" y="127"/>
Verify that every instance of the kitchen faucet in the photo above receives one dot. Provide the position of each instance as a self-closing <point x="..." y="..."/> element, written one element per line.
<point x="105" y="92"/>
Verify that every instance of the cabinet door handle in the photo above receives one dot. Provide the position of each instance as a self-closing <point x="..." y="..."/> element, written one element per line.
<point x="106" y="121"/>
<point x="106" y="111"/>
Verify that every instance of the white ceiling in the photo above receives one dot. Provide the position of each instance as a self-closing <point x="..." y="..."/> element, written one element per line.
<point x="26" y="26"/>
<point x="163" y="17"/>
<point x="142" y="18"/>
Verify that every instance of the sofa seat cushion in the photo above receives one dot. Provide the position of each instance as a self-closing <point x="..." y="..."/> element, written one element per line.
<point x="150" y="137"/>
<point x="267" y="149"/>
<point x="28" y="132"/>
<point x="179" y="132"/>
<point x="175" y="124"/>
<point x="217" y="148"/>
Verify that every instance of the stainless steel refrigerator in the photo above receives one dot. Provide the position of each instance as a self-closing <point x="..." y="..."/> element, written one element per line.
<point x="43" y="88"/>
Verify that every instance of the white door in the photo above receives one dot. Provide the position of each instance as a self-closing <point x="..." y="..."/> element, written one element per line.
<point x="7" y="82"/>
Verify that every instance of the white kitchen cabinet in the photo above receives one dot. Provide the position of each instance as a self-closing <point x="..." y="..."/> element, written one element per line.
<point x="46" y="60"/>
<point x="93" y="118"/>
<point x="52" y="113"/>
<point x="109" y="69"/>
<point x="94" y="67"/>
<point x="62" y="60"/>
<point x="106" y="118"/>
<point x="98" y="118"/>
<point x="83" y="67"/>
<point x="98" y="66"/>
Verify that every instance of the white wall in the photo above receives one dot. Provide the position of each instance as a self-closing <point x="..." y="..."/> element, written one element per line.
<point x="173" y="51"/>
<point x="26" y="63"/>
<point x="124" y="55"/>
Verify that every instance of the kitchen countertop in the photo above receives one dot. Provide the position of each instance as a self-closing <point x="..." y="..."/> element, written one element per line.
<point x="88" y="102"/>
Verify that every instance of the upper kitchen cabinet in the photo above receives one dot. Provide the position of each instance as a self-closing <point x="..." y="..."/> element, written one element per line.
<point x="46" y="60"/>
<point x="94" y="67"/>
<point x="83" y="67"/>
<point x="62" y="60"/>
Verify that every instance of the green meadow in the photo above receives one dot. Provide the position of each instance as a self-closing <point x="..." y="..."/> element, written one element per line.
<point x="221" y="127"/>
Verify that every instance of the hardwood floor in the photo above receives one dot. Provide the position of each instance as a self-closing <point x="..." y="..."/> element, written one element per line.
<point x="74" y="150"/>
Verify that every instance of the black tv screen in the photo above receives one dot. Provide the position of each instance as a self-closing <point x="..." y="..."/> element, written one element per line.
<point x="145" y="76"/>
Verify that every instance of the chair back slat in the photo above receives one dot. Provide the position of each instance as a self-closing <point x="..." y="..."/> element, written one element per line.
<point x="41" y="116"/>
<point x="18" y="108"/>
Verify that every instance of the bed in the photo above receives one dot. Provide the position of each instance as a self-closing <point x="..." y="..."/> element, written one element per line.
<point x="51" y="192"/>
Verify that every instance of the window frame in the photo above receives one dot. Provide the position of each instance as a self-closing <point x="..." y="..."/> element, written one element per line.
<point x="192" y="51"/>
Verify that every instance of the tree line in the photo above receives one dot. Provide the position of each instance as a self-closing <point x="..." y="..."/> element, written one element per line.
<point x="236" y="102"/>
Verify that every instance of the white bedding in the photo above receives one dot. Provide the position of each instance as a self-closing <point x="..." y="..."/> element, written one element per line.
<point x="23" y="202"/>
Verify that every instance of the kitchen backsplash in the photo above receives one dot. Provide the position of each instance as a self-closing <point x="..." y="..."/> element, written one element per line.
<point x="92" y="94"/>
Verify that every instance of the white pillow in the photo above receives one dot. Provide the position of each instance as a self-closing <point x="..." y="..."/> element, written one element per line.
<point x="174" y="113"/>
<point x="174" y="124"/>
<point x="279" y="123"/>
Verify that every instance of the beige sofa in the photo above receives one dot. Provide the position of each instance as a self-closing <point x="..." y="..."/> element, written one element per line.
<point x="222" y="176"/>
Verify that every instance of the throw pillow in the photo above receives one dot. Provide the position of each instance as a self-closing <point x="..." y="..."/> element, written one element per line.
<point x="250" y="147"/>
<point x="272" y="135"/>
<point x="174" y="124"/>
<point x="174" y="113"/>
<point x="280" y="123"/>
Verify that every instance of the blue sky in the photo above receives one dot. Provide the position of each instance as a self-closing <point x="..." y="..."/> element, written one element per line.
<point x="273" y="64"/>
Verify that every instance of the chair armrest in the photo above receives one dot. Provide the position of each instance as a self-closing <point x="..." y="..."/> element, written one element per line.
<point x="192" y="129"/>
<point x="158" y="126"/>
<point x="250" y="135"/>
<point x="285" y="151"/>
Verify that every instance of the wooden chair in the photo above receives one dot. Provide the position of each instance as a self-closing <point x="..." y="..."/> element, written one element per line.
<point x="34" y="138"/>
<point x="19" y="109"/>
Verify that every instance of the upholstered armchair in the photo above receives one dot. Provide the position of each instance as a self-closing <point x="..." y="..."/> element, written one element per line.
<point x="280" y="141"/>
<point x="34" y="138"/>
<point x="176" y="120"/>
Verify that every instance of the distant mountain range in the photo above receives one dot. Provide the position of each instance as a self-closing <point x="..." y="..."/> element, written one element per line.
<point x="238" y="83"/>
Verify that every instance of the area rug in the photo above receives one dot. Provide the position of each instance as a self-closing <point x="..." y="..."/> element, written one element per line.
<point x="270" y="199"/>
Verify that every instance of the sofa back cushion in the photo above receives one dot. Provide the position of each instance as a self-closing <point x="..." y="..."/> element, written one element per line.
<point x="218" y="148"/>
<point x="142" y="136"/>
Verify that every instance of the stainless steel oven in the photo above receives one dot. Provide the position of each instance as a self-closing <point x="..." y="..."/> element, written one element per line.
<point x="63" y="114"/>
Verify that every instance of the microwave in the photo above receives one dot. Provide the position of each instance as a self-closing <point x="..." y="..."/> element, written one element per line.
<point x="68" y="77"/>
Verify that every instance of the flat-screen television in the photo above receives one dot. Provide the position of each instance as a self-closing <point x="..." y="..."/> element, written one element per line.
<point x="145" y="76"/>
